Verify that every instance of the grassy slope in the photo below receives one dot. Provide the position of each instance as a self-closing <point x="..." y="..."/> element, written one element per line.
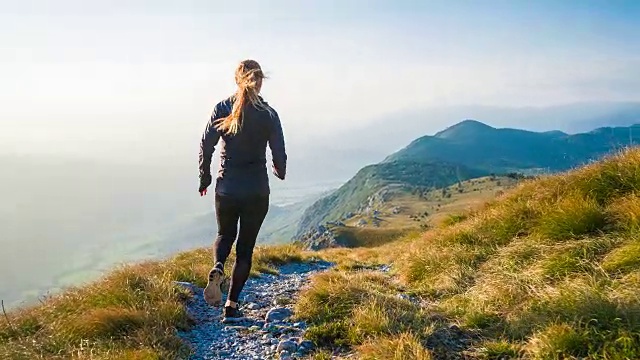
<point x="550" y="270"/>
<point x="416" y="212"/>
<point x="431" y="208"/>
<point x="131" y="314"/>
<point x="350" y="196"/>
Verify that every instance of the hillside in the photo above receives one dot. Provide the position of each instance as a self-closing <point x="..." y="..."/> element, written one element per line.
<point x="549" y="270"/>
<point x="353" y="195"/>
<point x="430" y="208"/>
<point x="461" y="152"/>
<point x="400" y="211"/>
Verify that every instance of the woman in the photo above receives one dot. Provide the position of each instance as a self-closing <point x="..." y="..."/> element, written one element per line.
<point x="246" y="124"/>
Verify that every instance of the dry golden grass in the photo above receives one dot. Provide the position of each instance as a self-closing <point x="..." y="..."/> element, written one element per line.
<point x="625" y="213"/>
<point x="405" y="346"/>
<point x="133" y="313"/>
<point x="548" y="270"/>
<point x="370" y="237"/>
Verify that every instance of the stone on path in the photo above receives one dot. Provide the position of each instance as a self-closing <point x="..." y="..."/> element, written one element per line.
<point x="306" y="346"/>
<point x="287" y="345"/>
<point x="278" y="314"/>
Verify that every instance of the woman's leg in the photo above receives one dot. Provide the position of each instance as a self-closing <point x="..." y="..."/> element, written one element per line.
<point x="227" y="217"/>
<point x="252" y="214"/>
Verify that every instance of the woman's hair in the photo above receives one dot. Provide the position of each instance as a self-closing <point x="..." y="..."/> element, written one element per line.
<point x="249" y="78"/>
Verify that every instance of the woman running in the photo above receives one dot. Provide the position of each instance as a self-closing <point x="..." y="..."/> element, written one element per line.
<point x="246" y="124"/>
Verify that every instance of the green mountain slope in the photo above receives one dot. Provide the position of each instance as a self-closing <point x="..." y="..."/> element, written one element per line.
<point x="373" y="178"/>
<point x="477" y="145"/>
<point x="466" y="150"/>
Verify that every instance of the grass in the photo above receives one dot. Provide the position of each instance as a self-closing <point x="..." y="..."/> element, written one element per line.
<point x="133" y="313"/>
<point x="498" y="349"/>
<point x="624" y="258"/>
<point x="570" y="217"/>
<point x="549" y="270"/>
<point x="405" y="346"/>
<point x="351" y="308"/>
<point x="369" y="237"/>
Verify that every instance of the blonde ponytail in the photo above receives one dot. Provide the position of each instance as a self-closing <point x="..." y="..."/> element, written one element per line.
<point x="249" y="78"/>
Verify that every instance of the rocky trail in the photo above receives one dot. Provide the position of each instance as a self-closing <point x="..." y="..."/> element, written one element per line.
<point x="268" y="332"/>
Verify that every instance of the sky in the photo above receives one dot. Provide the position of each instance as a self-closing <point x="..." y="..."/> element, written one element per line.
<point x="136" y="80"/>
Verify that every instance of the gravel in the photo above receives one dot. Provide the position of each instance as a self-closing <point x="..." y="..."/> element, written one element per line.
<point x="268" y="332"/>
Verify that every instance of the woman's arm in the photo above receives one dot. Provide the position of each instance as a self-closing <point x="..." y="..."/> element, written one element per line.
<point x="209" y="140"/>
<point x="278" y="151"/>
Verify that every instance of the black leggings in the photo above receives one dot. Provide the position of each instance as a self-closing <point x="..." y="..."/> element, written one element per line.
<point x="250" y="211"/>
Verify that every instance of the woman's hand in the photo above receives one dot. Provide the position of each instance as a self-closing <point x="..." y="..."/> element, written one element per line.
<point x="205" y="181"/>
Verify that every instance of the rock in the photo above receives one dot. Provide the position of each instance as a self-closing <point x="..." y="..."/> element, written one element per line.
<point x="236" y="327"/>
<point x="250" y="298"/>
<point x="306" y="346"/>
<point x="300" y="325"/>
<point x="282" y="300"/>
<point x="255" y="328"/>
<point x="287" y="345"/>
<point x="278" y="314"/>
<point x="224" y="353"/>
<point x="285" y="356"/>
<point x="253" y="306"/>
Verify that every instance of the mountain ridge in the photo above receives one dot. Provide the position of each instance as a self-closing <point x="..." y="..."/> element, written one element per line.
<point x="468" y="149"/>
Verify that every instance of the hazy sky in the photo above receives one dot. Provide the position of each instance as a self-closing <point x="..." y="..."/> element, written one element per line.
<point x="131" y="79"/>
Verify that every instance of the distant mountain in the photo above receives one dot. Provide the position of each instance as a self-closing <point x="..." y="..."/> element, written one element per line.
<point x="474" y="144"/>
<point x="375" y="137"/>
<point x="463" y="151"/>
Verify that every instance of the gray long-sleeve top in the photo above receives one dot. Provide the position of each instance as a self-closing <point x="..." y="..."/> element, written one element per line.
<point x="243" y="170"/>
